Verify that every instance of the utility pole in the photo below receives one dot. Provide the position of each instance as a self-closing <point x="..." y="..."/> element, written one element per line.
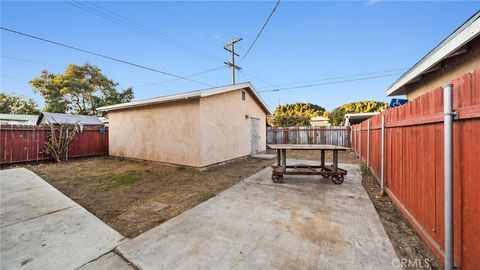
<point x="230" y="47"/>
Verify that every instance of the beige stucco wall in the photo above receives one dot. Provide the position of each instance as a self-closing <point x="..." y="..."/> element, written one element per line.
<point x="167" y="133"/>
<point x="451" y="69"/>
<point x="225" y="131"/>
<point x="197" y="133"/>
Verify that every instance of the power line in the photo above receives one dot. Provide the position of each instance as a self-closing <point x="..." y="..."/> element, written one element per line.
<point x="188" y="76"/>
<point x="116" y="18"/>
<point x="335" y="78"/>
<point x="334" y="82"/>
<point x="22" y="60"/>
<point x="261" y="30"/>
<point x="258" y="78"/>
<point x="102" y="56"/>
<point x="207" y="22"/>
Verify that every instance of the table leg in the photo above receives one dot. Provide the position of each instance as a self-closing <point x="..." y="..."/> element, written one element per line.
<point x="335" y="160"/>
<point x="322" y="158"/>
<point x="284" y="160"/>
<point x="278" y="157"/>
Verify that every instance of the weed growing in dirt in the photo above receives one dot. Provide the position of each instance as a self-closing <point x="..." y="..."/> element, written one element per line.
<point x="118" y="180"/>
<point x="205" y="196"/>
<point x="365" y="170"/>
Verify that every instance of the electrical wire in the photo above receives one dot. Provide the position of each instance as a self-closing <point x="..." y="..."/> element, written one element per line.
<point x="261" y="30"/>
<point x="326" y="83"/>
<point x="116" y="18"/>
<point x="258" y="78"/>
<point x="23" y="60"/>
<point x="102" y="56"/>
<point x="335" y="78"/>
<point x="188" y="76"/>
<point x="207" y="22"/>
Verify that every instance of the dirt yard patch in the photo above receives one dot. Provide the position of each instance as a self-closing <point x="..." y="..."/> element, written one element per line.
<point x="134" y="196"/>
<point x="406" y="242"/>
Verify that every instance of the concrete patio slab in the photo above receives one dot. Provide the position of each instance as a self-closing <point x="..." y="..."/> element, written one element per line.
<point x="306" y="223"/>
<point x="110" y="261"/>
<point x="263" y="156"/>
<point x="43" y="229"/>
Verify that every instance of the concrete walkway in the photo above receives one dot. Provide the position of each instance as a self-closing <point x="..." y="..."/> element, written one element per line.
<point x="305" y="223"/>
<point x="43" y="229"/>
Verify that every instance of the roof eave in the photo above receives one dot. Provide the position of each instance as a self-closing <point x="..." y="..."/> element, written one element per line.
<point x="142" y="103"/>
<point x="185" y="96"/>
<point x="461" y="36"/>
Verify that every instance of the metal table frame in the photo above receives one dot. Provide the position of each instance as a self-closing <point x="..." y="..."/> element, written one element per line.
<point x="333" y="172"/>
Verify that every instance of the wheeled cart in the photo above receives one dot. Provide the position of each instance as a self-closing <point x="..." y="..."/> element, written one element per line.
<point x="336" y="174"/>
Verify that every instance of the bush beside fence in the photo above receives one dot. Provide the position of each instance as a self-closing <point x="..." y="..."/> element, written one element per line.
<point x="24" y="143"/>
<point x="413" y="168"/>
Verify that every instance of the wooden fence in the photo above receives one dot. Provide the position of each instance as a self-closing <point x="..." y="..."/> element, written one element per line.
<point x="413" y="169"/>
<point x="309" y="135"/>
<point x="22" y="143"/>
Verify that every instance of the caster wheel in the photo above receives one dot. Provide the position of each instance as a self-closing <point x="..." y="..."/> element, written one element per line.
<point x="277" y="178"/>
<point x="338" y="179"/>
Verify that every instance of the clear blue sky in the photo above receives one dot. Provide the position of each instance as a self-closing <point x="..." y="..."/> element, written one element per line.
<point x="304" y="41"/>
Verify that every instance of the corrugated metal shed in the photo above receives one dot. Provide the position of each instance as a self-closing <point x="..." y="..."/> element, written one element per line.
<point x="18" y="119"/>
<point x="60" y="118"/>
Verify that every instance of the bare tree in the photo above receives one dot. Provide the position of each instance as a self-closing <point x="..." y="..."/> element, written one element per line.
<point x="59" y="139"/>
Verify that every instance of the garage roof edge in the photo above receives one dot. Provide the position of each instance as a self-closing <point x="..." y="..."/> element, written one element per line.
<point x="189" y="95"/>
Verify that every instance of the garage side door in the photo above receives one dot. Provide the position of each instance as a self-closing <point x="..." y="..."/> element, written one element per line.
<point x="255" y="135"/>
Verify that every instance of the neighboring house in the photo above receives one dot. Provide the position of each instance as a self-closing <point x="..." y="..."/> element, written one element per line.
<point x="458" y="54"/>
<point x="18" y="119"/>
<point x="319" y="121"/>
<point x="60" y="118"/>
<point x="356" y="118"/>
<point x="197" y="129"/>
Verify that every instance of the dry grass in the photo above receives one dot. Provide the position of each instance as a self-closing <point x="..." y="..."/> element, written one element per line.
<point x="121" y="191"/>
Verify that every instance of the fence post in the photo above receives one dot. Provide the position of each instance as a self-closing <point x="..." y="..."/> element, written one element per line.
<point x="382" y="164"/>
<point x="368" y="142"/>
<point x="361" y="139"/>
<point x="351" y="133"/>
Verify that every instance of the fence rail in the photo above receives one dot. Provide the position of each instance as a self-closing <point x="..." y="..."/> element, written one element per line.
<point x="413" y="164"/>
<point x="309" y="135"/>
<point x="24" y="143"/>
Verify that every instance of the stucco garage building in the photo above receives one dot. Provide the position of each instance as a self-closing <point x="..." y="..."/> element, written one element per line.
<point x="198" y="128"/>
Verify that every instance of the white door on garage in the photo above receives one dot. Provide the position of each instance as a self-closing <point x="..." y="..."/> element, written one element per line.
<point x="255" y="136"/>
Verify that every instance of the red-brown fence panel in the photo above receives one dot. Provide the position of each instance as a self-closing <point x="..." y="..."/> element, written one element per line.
<point x="25" y="143"/>
<point x="414" y="164"/>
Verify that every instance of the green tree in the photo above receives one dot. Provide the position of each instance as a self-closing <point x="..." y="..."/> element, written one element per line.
<point x="80" y="90"/>
<point x="297" y="114"/>
<point x="337" y="115"/>
<point x="17" y="104"/>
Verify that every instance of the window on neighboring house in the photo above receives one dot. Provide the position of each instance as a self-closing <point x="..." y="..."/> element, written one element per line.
<point x="243" y="95"/>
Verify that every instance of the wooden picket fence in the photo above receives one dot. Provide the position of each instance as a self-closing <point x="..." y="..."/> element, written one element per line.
<point x="24" y="143"/>
<point x="309" y="135"/>
<point x="413" y="169"/>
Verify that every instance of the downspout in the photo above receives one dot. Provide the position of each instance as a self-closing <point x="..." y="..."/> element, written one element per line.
<point x="448" y="175"/>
